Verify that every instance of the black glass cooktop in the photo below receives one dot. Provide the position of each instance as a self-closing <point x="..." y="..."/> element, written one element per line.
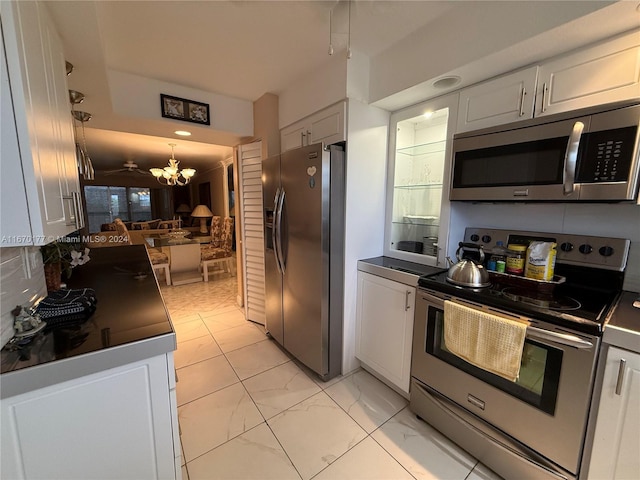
<point x="577" y="306"/>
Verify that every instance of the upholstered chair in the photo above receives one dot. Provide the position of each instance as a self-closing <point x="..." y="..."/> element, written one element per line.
<point x="122" y="232"/>
<point x="216" y="231"/>
<point x="159" y="259"/>
<point x="219" y="251"/>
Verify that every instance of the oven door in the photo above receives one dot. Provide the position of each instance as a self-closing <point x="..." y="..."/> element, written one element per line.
<point x="545" y="409"/>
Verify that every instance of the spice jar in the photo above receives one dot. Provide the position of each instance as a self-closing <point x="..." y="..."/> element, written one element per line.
<point x="516" y="255"/>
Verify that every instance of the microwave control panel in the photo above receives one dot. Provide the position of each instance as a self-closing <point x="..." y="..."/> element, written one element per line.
<point x="606" y="156"/>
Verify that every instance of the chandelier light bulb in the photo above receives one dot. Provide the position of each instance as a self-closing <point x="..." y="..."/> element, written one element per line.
<point x="171" y="173"/>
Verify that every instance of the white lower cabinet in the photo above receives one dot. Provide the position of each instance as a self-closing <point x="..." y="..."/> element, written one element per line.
<point x="616" y="445"/>
<point x="116" y="424"/>
<point x="384" y="328"/>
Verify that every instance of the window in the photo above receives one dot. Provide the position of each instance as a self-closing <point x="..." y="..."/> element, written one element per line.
<point x="104" y="204"/>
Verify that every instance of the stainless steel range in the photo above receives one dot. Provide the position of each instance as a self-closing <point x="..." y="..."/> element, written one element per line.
<point x="533" y="427"/>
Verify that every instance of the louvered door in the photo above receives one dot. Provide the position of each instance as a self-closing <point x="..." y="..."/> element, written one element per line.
<point x="250" y="169"/>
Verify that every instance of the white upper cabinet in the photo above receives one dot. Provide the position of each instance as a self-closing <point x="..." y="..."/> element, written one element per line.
<point x="44" y="166"/>
<point x="604" y="73"/>
<point x="502" y="100"/>
<point x="599" y="74"/>
<point x="326" y="126"/>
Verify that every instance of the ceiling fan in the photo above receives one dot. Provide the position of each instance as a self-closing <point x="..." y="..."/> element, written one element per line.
<point x="128" y="166"/>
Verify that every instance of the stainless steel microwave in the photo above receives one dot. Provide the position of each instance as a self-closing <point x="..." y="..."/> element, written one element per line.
<point x="590" y="155"/>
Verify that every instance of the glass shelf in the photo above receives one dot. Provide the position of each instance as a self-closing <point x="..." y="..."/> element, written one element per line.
<point x="417" y="186"/>
<point x="412" y="224"/>
<point x="423" y="149"/>
<point x="417" y="164"/>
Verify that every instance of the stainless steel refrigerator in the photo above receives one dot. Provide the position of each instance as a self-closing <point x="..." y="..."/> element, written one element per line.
<point x="303" y="197"/>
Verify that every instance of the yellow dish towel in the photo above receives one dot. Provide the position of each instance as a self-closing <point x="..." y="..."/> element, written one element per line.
<point x="487" y="341"/>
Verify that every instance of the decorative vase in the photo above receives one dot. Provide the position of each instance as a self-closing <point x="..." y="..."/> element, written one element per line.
<point x="53" y="276"/>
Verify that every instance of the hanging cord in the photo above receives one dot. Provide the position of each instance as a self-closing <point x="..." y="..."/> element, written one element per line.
<point x="349" y="33"/>
<point x="330" y="30"/>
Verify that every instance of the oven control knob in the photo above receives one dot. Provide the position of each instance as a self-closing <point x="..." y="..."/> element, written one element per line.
<point x="486" y="239"/>
<point x="475" y="237"/>
<point x="585" y="248"/>
<point x="606" y="251"/>
<point x="566" y="247"/>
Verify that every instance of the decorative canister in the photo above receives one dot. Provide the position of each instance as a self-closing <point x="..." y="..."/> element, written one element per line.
<point x="516" y="255"/>
<point x="53" y="276"/>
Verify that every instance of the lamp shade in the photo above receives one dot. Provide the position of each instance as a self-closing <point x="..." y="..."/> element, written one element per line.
<point x="202" y="211"/>
<point x="183" y="208"/>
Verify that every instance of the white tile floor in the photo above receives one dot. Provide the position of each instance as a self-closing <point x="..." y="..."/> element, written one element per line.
<point x="247" y="411"/>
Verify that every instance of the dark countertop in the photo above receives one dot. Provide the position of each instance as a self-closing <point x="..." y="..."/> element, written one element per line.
<point x="397" y="270"/>
<point x="623" y="328"/>
<point x="130" y="323"/>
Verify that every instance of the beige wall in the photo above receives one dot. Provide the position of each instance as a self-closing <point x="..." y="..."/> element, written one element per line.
<point x="215" y="177"/>
<point x="265" y="124"/>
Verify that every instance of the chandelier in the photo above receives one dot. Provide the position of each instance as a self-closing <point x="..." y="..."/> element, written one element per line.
<point x="171" y="174"/>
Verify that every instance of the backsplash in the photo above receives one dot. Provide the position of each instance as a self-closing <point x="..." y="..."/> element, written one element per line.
<point x="620" y="220"/>
<point x="21" y="282"/>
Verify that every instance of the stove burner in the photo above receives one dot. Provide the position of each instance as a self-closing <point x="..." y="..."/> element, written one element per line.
<point x="541" y="300"/>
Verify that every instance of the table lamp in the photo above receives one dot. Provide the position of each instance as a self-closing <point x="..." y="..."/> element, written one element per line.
<point x="202" y="212"/>
<point x="183" y="211"/>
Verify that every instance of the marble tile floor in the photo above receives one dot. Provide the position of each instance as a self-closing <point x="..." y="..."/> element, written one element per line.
<point x="247" y="411"/>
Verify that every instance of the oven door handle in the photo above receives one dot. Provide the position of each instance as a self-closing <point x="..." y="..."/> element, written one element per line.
<point x="562" y="338"/>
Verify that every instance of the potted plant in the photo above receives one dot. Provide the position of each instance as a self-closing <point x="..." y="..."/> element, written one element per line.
<point x="61" y="257"/>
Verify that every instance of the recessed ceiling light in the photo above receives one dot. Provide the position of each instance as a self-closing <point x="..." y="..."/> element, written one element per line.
<point x="427" y="114"/>
<point x="182" y="133"/>
<point x="447" y="82"/>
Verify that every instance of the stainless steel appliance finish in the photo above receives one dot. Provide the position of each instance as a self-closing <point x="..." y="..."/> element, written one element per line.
<point x="588" y="155"/>
<point x="468" y="273"/>
<point x="548" y="418"/>
<point x="534" y="427"/>
<point x="303" y="193"/>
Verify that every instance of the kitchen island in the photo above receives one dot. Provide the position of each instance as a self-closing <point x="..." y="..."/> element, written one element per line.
<point x="96" y="400"/>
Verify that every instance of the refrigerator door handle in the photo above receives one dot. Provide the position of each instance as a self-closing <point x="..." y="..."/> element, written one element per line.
<point x="274" y="235"/>
<point x="278" y="231"/>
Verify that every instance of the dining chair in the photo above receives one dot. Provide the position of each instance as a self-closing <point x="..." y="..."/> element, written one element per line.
<point x="219" y="250"/>
<point x="159" y="259"/>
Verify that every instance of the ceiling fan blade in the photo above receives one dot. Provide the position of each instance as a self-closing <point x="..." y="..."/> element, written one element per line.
<point x="114" y="172"/>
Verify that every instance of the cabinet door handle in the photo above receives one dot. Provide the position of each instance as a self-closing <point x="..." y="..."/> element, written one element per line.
<point x="621" y="369"/>
<point x="308" y="137"/>
<point x="302" y="138"/>
<point x="523" y="93"/>
<point x="76" y="210"/>
<point x="79" y="210"/>
<point x="544" y="97"/>
<point x="406" y="300"/>
<point x="73" y="210"/>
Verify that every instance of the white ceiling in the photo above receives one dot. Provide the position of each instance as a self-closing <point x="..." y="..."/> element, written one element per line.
<point x="237" y="48"/>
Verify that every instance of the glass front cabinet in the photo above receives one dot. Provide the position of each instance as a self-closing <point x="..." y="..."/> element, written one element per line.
<point x="417" y="216"/>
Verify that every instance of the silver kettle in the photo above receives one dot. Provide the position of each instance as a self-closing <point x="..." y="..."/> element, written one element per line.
<point x="467" y="273"/>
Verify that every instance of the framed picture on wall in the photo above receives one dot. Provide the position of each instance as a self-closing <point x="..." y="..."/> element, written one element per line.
<point x="185" y="110"/>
